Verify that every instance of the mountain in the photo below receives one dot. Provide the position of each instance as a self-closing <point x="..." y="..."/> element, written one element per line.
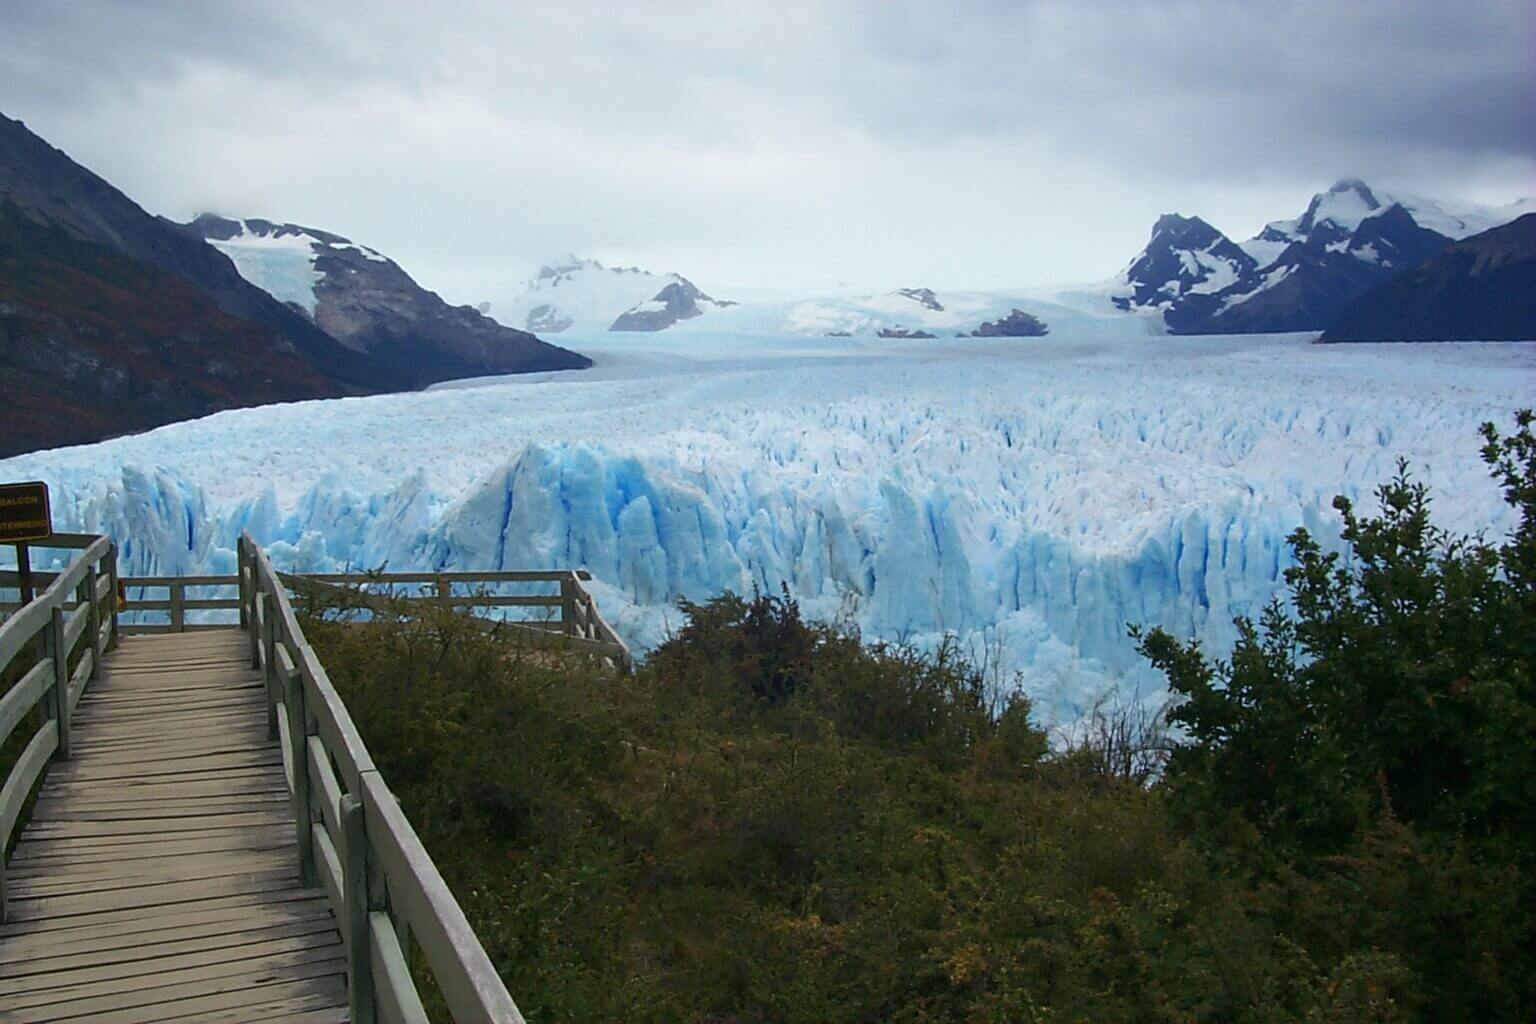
<point x="94" y="343"/>
<point x="1184" y="267"/>
<point x="680" y="300"/>
<point x="1480" y="289"/>
<point x="48" y="188"/>
<point x="584" y="295"/>
<point x="367" y="302"/>
<point x="1294" y="275"/>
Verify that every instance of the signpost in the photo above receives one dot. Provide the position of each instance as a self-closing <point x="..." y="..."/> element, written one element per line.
<point x="24" y="517"/>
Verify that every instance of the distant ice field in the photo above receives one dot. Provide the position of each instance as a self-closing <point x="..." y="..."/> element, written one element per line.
<point x="1030" y="497"/>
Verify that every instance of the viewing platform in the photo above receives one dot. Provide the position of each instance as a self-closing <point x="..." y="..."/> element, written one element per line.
<point x="209" y="839"/>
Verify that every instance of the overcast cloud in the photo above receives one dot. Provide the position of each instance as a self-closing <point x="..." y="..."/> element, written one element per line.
<point x="789" y="145"/>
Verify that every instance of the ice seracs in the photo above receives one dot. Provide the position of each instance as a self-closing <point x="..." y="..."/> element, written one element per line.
<point x="1036" y="497"/>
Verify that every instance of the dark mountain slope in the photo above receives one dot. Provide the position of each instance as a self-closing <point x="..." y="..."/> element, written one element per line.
<point x="368" y="302"/>
<point x="1312" y="281"/>
<point x="94" y="344"/>
<point x="50" y="188"/>
<point x="1479" y="289"/>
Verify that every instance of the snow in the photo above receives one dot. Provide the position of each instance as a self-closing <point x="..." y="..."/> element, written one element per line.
<point x="1460" y="220"/>
<point x="1346" y="207"/>
<point x="282" y="265"/>
<point x="1219" y="274"/>
<point x="587" y="293"/>
<point x="1032" y="496"/>
<point x="1087" y="308"/>
<point x="366" y="253"/>
<point x="1263" y="251"/>
<point x="1266" y="281"/>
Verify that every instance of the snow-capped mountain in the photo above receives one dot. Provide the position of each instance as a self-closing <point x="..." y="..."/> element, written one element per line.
<point x="1294" y="275"/>
<point x="1482" y="288"/>
<point x="113" y="320"/>
<point x="583" y="295"/>
<point x="366" y="301"/>
<point x="1185" y="265"/>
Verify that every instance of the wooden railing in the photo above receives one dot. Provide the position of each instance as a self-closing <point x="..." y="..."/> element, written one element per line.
<point x="571" y="620"/>
<point x="353" y="840"/>
<point x="38" y="685"/>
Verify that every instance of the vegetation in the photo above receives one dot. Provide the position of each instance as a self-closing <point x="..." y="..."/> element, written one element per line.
<point x="772" y="821"/>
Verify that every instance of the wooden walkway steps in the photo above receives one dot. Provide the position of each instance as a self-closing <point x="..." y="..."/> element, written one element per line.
<point x="158" y="877"/>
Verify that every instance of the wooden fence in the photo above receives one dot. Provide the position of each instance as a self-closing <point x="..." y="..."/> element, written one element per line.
<point x="47" y="666"/>
<point x="353" y="840"/>
<point x="569" y="620"/>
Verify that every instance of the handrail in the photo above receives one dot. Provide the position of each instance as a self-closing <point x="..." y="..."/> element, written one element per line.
<point x="578" y="626"/>
<point x="41" y="638"/>
<point x="353" y="840"/>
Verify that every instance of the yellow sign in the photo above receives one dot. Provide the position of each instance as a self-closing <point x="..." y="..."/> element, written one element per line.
<point x="24" y="513"/>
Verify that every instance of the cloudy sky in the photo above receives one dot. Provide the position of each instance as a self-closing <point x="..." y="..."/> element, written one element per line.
<point x="781" y="145"/>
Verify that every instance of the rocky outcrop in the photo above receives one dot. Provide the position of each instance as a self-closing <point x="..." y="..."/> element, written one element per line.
<point x="1017" y="324"/>
<point x="546" y="319"/>
<point x="902" y="332"/>
<point x="923" y="297"/>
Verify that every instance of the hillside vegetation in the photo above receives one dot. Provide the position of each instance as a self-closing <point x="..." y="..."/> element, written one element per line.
<point x="774" y="821"/>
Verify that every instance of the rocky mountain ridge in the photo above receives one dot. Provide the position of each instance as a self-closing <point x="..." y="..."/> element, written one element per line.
<point x="1295" y="275"/>
<point x="369" y="303"/>
<point x="1480" y="289"/>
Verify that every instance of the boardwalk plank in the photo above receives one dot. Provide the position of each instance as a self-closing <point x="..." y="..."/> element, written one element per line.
<point x="157" y="879"/>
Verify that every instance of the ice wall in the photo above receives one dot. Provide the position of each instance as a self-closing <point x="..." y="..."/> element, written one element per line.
<point x="1032" y="505"/>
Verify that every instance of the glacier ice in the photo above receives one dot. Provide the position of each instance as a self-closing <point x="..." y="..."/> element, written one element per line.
<point x="1031" y="497"/>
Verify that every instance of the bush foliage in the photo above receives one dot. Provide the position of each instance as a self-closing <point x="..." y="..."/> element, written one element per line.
<point x="773" y="821"/>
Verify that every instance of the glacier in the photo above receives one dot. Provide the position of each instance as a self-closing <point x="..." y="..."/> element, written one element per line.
<point x="1028" y="497"/>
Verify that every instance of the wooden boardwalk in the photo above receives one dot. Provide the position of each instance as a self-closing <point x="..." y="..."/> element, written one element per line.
<point x="211" y="840"/>
<point x="158" y="878"/>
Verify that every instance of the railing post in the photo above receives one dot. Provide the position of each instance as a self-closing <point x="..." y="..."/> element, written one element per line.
<point x="112" y="590"/>
<point x="93" y="619"/>
<point x="355" y="888"/>
<point x="178" y="614"/>
<point x="568" y="604"/>
<point x="240" y="563"/>
<point x="258" y="613"/>
<point x="60" y="680"/>
<point x="298" y="756"/>
<point x="269" y="648"/>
